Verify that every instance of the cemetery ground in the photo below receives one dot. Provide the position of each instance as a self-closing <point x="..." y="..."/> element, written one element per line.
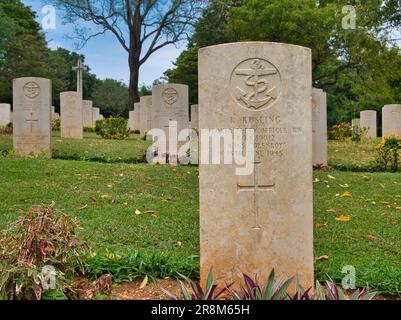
<point x="143" y="220"/>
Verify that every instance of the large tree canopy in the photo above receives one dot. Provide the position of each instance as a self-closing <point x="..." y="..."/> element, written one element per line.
<point x="140" y="26"/>
<point x="359" y="68"/>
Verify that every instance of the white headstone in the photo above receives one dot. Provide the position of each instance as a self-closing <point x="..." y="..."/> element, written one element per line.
<point x="32" y="116"/>
<point x="369" y="122"/>
<point x="171" y="114"/>
<point x="319" y="126"/>
<point x="71" y="115"/>
<point x="87" y="106"/>
<point x="145" y="110"/>
<point x="95" y="115"/>
<point x="5" y="114"/>
<point x="391" y="117"/>
<point x="255" y="223"/>
<point x="195" y="117"/>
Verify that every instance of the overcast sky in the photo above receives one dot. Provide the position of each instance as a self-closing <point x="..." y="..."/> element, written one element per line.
<point x="104" y="55"/>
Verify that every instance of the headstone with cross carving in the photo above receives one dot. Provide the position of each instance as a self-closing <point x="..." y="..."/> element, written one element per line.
<point x="369" y="123"/>
<point x="32" y="116"/>
<point x="171" y="114"/>
<point x="391" y="117"/>
<point x="319" y="126"/>
<point x="5" y="114"/>
<point x="79" y="69"/>
<point x="71" y="115"/>
<point x="263" y="220"/>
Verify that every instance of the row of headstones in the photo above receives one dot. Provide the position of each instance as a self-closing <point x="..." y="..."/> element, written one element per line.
<point x="32" y="115"/>
<point x="391" y="121"/>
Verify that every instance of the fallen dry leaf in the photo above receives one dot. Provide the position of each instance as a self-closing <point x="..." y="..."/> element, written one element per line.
<point x="137" y="212"/>
<point x="346" y="194"/>
<point x="343" y="218"/>
<point x="320" y="225"/>
<point x="322" y="258"/>
<point x="179" y="243"/>
<point x="369" y="237"/>
<point x="83" y="208"/>
<point x="151" y="211"/>
<point x="144" y="282"/>
<point x="331" y="177"/>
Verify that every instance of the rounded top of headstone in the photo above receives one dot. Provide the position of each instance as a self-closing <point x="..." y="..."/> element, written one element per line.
<point x="255" y="43"/>
<point x="368" y="111"/>
<point x="171" y="85"/>
<point x="392" y="106"/>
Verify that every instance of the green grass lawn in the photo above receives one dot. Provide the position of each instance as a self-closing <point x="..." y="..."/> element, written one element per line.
<point x="164" y="238"/>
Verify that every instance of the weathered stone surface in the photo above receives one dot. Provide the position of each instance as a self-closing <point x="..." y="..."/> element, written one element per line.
<point x="5" y="114"/>
<point x="32" y="116"/>
<point x="145" y="112"/>
<point x="71" y="115"/>
<point x="368" y="121"/>
<point x="87" y="112"/>
<point x="195" y="117"/>
<point x="171" y="104"/>
<point x="262" y="221"/>
<point x="137" y="120"/>
<point x="95" y="115"/>
<point x="391" y="117"/>
<point x="319" y="126"/>
<point x="131" y="121"/>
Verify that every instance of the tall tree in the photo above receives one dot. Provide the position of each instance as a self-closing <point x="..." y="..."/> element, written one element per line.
<point x="112" y="97"/>
<point x="23" y="49"/>
<point x="141" y="26"/>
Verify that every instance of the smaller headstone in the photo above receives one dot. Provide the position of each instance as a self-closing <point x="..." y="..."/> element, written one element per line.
<point x="131" y="118"/>
<point x="71" y="115"/>
<point x="87" y="112"/>
<point x="369" y="123"/>
<point x="144" y="110"/>
<point x="32" y="116"/>
<point x="53" y="112"/>
<point x="56" y="115"/>
<point x="5" y="114"/>
<point x="195" y="117"/>
<point x="391" y="116"/>
<point x="136" y="117"/>
<point x="319" y="126"/>
<point x="95" y="115"/>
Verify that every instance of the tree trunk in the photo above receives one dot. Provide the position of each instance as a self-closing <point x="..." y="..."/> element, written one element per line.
<point x="134" y="80"/>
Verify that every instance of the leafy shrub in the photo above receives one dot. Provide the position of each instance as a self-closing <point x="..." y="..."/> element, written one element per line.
<point x="44" y="238"/>
<point x="112" y="128"/>
<point x="273" y="289"/>
<point x="357" y="133"/>
<point x="8" y="129"/>
<point x="340" y="131"/>
<point x="387" y="154"/>
<point x="89" y="129"/>
<point x="196" y="292"/>
<point x="56" y="123"/>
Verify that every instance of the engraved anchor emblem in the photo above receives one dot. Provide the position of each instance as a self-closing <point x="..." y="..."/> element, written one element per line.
<point x="259" y="93"/>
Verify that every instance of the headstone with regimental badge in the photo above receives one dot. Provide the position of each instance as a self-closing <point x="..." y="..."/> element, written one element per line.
<point x="264" y="220"/>
<point x="32" y="116"/>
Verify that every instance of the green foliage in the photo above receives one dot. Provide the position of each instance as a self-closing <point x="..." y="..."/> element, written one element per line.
<point x="7" y="130"/>
<point x="89" y="129"/>
<point x="274" y="289"/>
<point x="112" y="128"/>
<point x="56" y="124"/>
<point x="112" y="96"/>
<point x="197" y="292"/>
<point x="23" y="49"/>
<point x="340" y="132"/>
<point x="387" y="154"/>
<point x="358" y="133"/>
<point x="43" y="237"/>
<point x="128" y="266"/>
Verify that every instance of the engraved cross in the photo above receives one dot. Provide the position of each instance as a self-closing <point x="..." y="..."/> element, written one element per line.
<point x="256" y="188"/>
<point x="31" y="121"/>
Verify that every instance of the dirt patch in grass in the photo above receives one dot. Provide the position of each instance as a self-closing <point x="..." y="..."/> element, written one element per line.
<point x="153" y="291"/>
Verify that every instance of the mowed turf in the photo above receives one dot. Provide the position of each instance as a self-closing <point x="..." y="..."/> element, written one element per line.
<point x="123" y="207"/>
